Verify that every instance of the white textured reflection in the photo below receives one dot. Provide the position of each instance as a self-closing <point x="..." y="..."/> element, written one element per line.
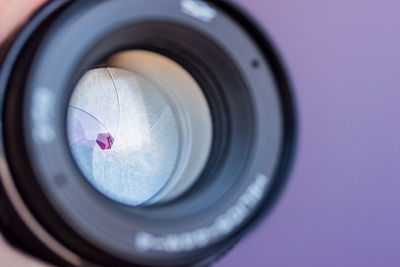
<point x="143" y="138"/>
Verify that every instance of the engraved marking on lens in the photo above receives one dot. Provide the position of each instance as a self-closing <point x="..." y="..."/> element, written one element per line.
<point x="42" y="115"/>
<point x="223" y="224"/>
<point x="199" y="10"/>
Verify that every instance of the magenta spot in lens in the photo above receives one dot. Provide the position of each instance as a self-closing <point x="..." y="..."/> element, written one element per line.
<point x="105" y="141"/>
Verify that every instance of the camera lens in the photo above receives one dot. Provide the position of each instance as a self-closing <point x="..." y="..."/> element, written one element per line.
<point x="140" y="132"/>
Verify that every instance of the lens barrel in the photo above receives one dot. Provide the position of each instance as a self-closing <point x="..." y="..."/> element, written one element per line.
<point x="212" y="170"/>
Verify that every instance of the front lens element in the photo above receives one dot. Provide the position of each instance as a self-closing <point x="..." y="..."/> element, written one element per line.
<point x="132" y="136"/>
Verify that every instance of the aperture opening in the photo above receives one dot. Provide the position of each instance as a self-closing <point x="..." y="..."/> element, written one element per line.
<point x="139" y="128"/>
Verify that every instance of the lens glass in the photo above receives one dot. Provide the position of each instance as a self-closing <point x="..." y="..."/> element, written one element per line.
<point x="131" y="135"/>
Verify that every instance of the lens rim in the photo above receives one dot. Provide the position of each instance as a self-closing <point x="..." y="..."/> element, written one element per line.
<point x="288" y="121"/>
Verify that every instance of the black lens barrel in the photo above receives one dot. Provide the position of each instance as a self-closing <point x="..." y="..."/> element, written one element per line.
<point x="58" y="216"/>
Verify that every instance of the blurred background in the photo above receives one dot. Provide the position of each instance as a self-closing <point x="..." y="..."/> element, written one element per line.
<point x="341" y="206"/>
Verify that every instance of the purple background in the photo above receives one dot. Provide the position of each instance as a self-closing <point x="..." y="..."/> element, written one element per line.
<point x="341" y="207"/>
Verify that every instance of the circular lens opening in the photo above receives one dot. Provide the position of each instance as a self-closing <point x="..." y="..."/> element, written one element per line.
<point x="139" y="128"/>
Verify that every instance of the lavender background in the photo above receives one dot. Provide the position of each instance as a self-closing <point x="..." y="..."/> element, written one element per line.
<point x="341" y="207"/>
